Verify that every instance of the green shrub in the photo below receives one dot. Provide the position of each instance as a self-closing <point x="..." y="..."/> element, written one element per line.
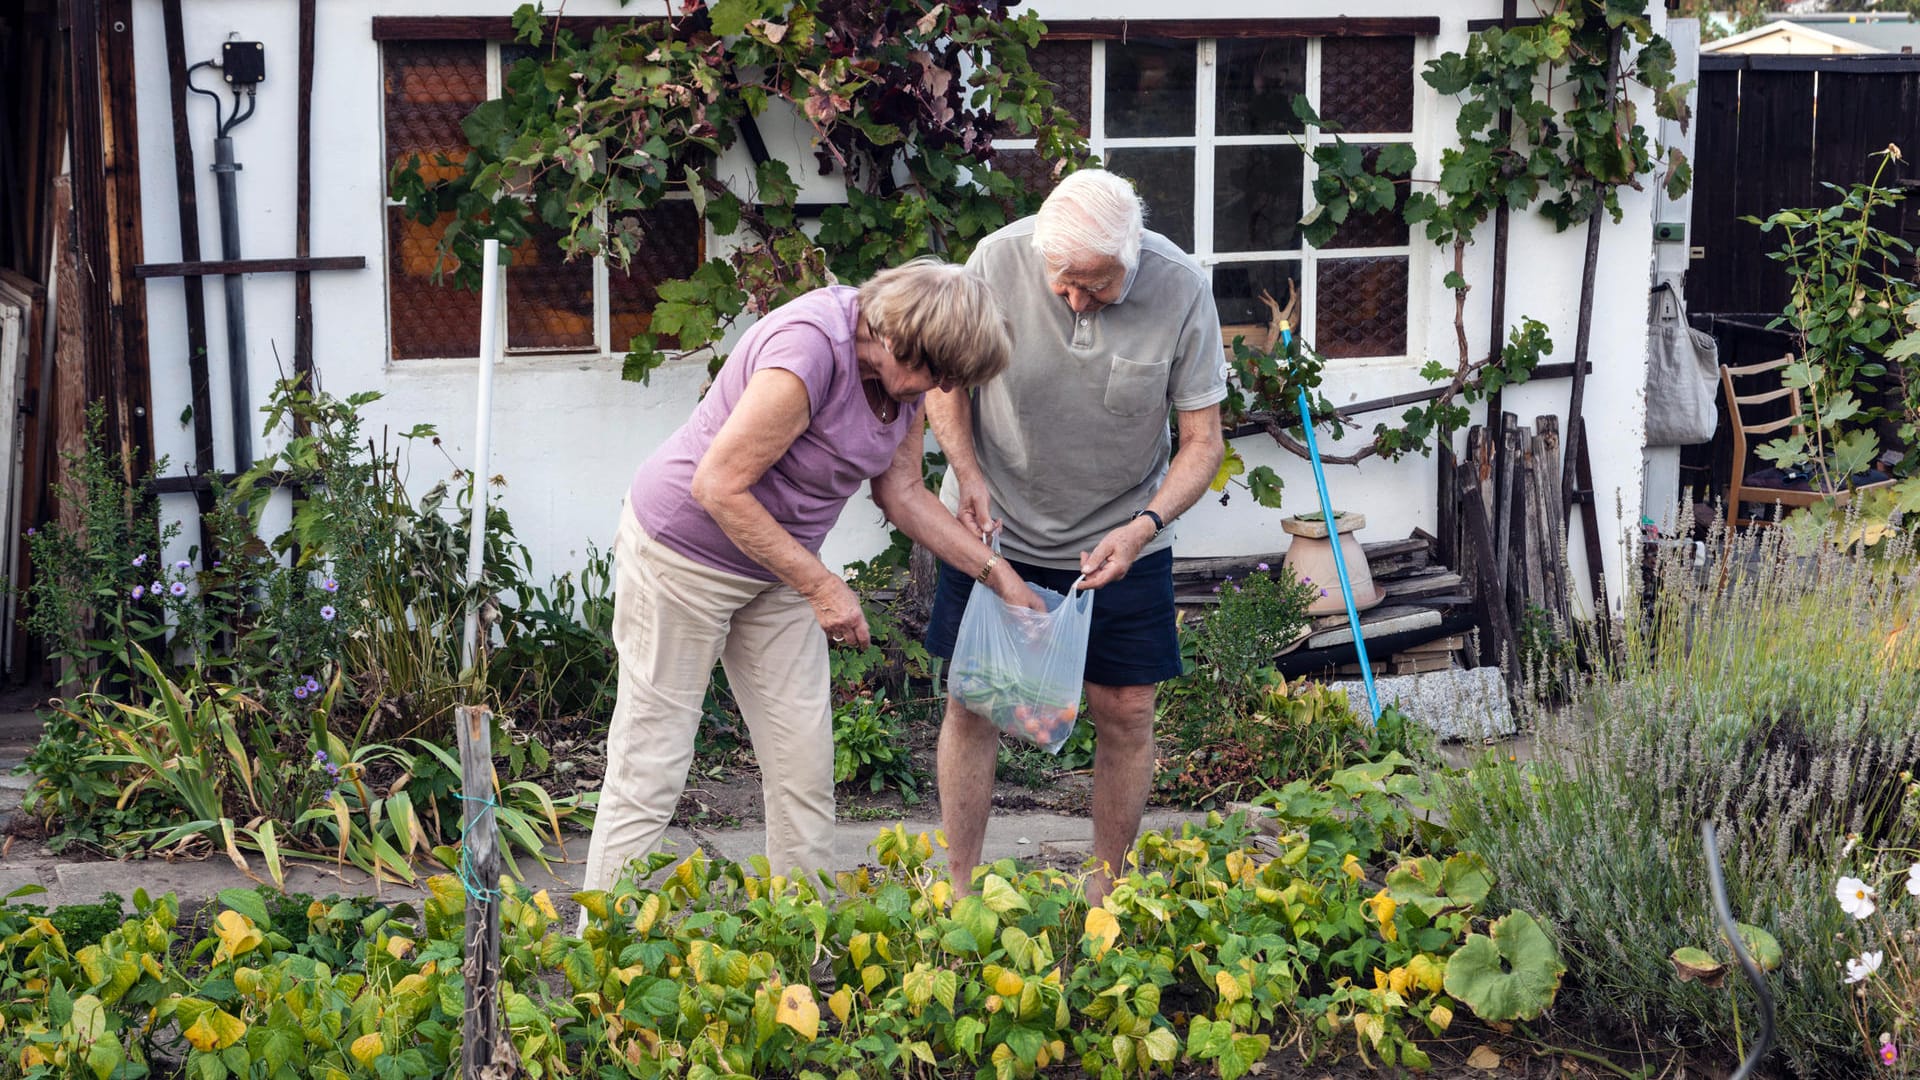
<point x="1772" y="696"/>
<point x="1231" y="727"/>
<point x="870" y="744"/>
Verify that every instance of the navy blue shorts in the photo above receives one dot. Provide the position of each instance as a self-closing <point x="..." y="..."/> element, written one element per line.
<point x="1135" y="640"/>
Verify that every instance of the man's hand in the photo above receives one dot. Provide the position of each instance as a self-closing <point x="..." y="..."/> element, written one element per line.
<point x="839" y="613"/>
<point x="976" y="508"/>
<point x="1110" y="559"/>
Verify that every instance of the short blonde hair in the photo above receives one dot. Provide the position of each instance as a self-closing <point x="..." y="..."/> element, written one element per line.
<point x="1091" y="216"/>
<point x="939" y="317"/>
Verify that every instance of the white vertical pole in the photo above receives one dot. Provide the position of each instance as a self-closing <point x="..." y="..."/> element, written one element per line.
<point x="482" y="438"/>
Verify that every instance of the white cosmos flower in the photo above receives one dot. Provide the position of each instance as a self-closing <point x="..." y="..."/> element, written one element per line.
<point x="1855" y="896"/>
<point x="1867" y="964"/>
<point x="1913" y="879"/>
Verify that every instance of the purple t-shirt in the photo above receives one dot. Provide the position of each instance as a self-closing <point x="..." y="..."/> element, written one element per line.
<point x="844" y="446"/>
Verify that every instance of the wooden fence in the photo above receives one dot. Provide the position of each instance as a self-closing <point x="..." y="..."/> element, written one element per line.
<point x="1772" y="129"/>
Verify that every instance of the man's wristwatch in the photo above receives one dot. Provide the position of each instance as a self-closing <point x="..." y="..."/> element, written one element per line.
<point x="1157" y="523"/>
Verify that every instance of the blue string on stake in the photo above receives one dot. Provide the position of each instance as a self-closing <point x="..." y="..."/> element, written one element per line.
<point x="1333" y="538"/>
<point x="469" y="876"/>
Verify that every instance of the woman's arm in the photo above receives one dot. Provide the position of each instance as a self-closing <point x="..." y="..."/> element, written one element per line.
<point x="919" y="513"/>
<point x="772" y="412"/>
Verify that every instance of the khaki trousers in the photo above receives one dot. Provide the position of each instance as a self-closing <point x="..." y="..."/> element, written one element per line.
<point x="672" y="618"/>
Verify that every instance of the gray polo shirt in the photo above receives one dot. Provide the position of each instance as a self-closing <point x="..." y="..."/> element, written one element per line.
<point x="1073" y="437"/>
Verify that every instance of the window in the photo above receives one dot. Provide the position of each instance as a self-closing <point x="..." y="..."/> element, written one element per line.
<point x="1207" y="131"/>
<point x="553" y="306"/>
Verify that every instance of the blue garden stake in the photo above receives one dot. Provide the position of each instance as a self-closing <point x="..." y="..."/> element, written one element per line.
<point x="1333" y="535"/>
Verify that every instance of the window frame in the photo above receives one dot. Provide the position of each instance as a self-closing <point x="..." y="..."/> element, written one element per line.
<point x="602" y="347"/>
<point x="1204" y="142"/>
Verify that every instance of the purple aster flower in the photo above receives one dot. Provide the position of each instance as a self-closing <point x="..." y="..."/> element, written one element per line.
<point x="139" y="560"/>
<point x="1261" y="567"/>
<point x="330" y="585"/>
<point x="183" y="565"/>
<point x="178" y="588"/>
<point x="33" y="532"/>
<point x="319" y="757"/>
<point x="156" y="588"/>
<point x="300" y="692"/>
<point x="313" y="685"/>
<point x="138" y="592"/>
<point x="326" y="612"/>
<point x="1323" y="592"/>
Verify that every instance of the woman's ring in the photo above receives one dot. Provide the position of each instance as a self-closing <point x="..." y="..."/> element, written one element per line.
<point x="837" y="637"/>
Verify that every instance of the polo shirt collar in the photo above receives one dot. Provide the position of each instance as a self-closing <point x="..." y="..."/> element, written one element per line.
<point x="1127" y="287"/>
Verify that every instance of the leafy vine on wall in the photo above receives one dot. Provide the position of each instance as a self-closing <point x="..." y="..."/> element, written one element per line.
<point x="1575" y="138"/>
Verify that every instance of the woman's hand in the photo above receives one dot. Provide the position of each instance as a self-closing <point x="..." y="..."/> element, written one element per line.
<point x="1017" y="593"/>
<point x="839" y="613"/>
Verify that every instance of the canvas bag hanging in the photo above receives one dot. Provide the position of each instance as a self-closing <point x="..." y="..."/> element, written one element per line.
<point x="1023" y="669"/>
<point x="1683" y="375"/>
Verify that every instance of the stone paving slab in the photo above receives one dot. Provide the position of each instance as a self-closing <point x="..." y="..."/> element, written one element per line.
<point x="77" y="881"/>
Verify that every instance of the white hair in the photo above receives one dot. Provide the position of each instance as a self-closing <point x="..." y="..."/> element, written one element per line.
<point x="1091" y="215"/>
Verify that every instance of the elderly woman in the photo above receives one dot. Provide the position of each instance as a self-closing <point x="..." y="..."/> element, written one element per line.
<point x="718" y="545"/>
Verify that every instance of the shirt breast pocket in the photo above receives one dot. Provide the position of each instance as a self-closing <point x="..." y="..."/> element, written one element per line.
<point x="1137" y="387"/>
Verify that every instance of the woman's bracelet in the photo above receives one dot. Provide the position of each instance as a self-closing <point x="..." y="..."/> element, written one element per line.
<point x="993" y="560"/>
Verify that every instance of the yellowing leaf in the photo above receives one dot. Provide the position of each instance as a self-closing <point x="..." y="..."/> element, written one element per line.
<point x="1104" y="928"/>
<point x="871" y="976"/>
<point x="366" y="1048"/>
<point x="799" y="1011"/>
<point x="215" y="1030"/>
<point x="1483" y="1058"/>
<point x="1383" y="908"/>
<point x="1162" y="1045"/>
<point x="1399" y="980"/>
<point x="1351" y="867"/>
<point x="399" y="947"/>
<point x="841" y="1002"/>
<point x="545" y="903"/>
<point x="940" y="892"/>
<point x="1428" y="974"/>
<point x="1441" y="1017"/>
<point x="1008" y="984"/>
<point x="238" y="936"/>
<point x="648" y="915"/>
<point x="1000" y="896"/>
<point x="1228" y="986"/>
<point x="1368" y="1027"/>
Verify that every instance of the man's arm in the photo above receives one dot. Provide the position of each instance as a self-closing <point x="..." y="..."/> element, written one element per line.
<point x="915" y="511"/>
<point x="1202" y="448"/>
<point x="950" y="412"/>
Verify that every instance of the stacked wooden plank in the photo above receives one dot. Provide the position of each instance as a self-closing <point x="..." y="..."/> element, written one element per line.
<point x="1520" y="537"/>
<point x="1427" y="602"/>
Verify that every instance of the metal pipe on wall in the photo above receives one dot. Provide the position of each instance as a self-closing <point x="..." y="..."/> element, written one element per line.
<point x="239" y="393"/>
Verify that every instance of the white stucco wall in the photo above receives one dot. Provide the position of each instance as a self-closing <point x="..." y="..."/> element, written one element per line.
<point x="568" y="432"/>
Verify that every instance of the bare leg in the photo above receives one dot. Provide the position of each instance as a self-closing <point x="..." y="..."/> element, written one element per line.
<point x="969" y="748"/>
<point x="1122" y="776"/>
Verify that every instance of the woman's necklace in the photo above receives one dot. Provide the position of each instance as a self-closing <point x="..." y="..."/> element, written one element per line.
<point x="882" y="404"/>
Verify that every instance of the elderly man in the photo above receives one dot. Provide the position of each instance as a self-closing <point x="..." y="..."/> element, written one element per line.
<point x="1068" y="452"/>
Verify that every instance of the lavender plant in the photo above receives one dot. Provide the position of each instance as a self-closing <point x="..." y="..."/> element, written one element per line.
<point x="1774" y="695"/>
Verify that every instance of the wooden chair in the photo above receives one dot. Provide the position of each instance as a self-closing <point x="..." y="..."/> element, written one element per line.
<point x="1740" y="489"/>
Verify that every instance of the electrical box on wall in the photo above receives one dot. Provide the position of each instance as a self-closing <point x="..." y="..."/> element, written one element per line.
<point x="1673" y="231"/>
<point x="244" y="63"/>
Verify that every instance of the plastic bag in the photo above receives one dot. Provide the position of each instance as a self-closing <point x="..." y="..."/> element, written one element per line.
<point x="1022" y="669"/>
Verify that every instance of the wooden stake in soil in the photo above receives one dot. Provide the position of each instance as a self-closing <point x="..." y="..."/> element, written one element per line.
<point x="486" y="1052"/>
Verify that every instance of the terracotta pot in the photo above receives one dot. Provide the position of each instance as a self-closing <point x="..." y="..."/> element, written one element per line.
<point x="1311" y="557"/>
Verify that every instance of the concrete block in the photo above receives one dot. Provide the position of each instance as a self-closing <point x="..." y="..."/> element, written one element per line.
<point x="1467" y="704"/>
